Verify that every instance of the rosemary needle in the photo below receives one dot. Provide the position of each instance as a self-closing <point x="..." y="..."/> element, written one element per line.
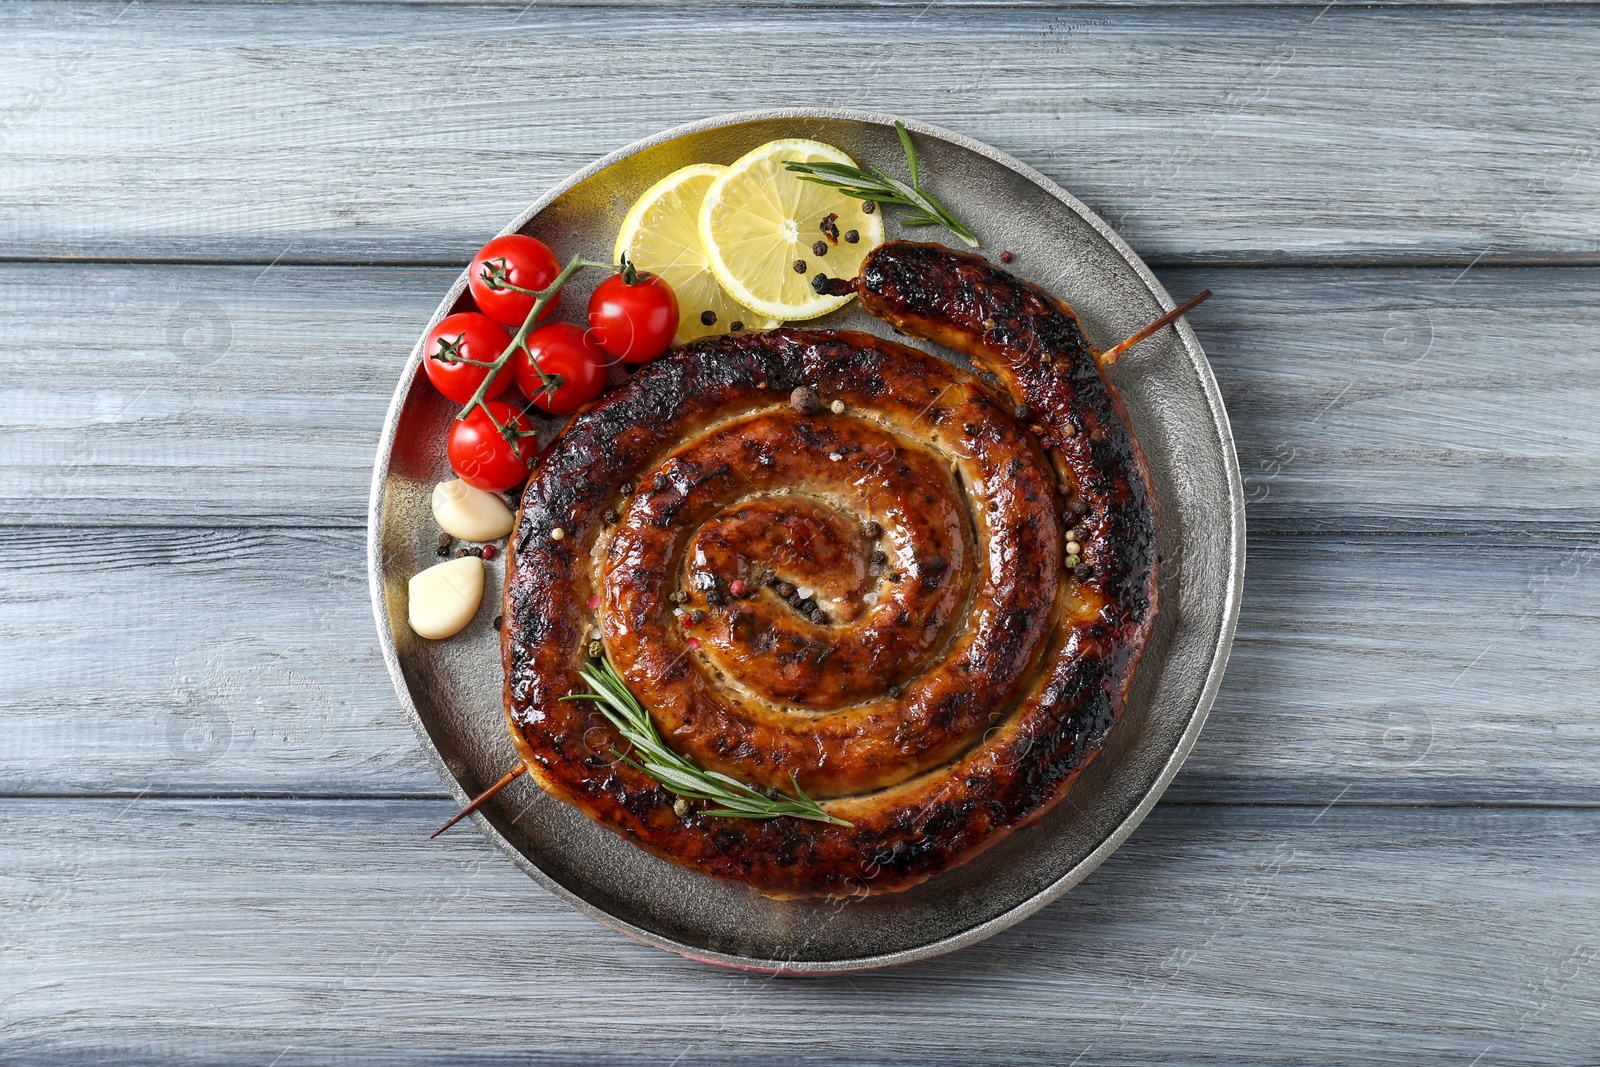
<point x="874" y="184"/>
<point x="678" y="773"/>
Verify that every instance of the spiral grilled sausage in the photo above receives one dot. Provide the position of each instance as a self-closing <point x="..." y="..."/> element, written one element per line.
<point x="908" y="646"/>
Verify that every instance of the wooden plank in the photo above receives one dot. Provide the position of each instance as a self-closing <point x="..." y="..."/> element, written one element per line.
<point x="275" y="133"/>
<point x="1361" y="400"/>
<point x="294" y="933"/>
<point x="1428" y="670"/>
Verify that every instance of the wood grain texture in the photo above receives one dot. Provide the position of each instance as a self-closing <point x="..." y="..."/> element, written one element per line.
<point x="1361" y="400"/>
<point x="408" y="133"/>
<point x="1428" y="670"/>
<point x="274" y="932"/>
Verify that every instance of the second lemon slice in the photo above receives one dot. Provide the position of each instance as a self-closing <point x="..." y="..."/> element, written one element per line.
<point x="761" y="227"/>
<point x="662" y="235"/>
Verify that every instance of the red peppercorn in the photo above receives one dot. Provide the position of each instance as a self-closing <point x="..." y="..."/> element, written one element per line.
<point x="489" y="551"/>
<point x="687" y="622"/>
<point x="738" y="588"/>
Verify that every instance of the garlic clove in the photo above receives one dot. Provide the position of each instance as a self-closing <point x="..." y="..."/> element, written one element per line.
<point x="445" y="597"/>
<point x="470" y="514"/>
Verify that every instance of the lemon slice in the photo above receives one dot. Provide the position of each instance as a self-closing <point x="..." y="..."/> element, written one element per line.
<point x="662" y="235"/>
<point x="759" y="224"/>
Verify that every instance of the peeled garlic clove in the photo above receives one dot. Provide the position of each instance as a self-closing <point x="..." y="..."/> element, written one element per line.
<point x="470" y="514"/>
<point x="445" y="597"/>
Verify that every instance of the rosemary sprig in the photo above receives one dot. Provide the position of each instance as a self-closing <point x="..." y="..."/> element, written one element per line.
<point x="678" y="773"/>
<point x="924" y="209"/>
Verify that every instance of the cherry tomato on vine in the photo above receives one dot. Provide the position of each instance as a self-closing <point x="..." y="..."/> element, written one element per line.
<point x="527" y="264"/>
<point x="633" y="315"/>
<point x="465" y="336"/>
<point x="482" y="457"/>
<point x="561" y="350"/>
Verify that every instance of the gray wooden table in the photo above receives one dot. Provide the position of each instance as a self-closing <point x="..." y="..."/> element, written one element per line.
<point x="221" y="226"/>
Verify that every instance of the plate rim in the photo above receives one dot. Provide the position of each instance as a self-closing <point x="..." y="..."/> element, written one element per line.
<point x="1078" y="871"/>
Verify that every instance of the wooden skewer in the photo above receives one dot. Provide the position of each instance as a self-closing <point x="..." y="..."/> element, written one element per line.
<point x="481" y="799"/>
<point x="1109" y="356"/>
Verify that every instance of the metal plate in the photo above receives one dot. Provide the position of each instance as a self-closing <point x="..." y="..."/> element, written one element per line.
<point x="452" y="689"/>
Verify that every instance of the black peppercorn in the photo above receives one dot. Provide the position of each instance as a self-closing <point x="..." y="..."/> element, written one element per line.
<point x="697" y="615"/>
<point x="820" y="248"/>
<point x="714" y="598"/>
<point x="499" y="621"/>
<point x="872" y="528"/>
<point x="851" y="236"/>
<point x="610" y="516"/>
<point x="627" y="488"/>
<point x="735" y="325"/>
<point x="895" y="691"/>
<point x="444" y="539"/>
<point x="805" y="400"/>
<point x="708" y="317"/>
<point x="868" y="207"/>
<point x="785" y="590"/>
<point x="799" y="266"/>
<point x="660" y="482"/>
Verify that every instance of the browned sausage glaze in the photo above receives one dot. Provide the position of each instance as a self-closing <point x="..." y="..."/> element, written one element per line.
<point x="871" y="601"/>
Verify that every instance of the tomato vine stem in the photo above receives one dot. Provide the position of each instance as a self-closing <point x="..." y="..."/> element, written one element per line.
<point x="541" y="300"/>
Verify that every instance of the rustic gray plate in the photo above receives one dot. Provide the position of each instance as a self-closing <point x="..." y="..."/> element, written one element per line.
<point x="451" y="689"/>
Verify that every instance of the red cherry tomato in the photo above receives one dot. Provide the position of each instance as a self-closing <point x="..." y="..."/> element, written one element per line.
<point x="465" y="336"/>
<point x="527" y="263"/>
<point x="634" y="322"/>
<point x="485" y="459"/>
<point x="561" y="350"/>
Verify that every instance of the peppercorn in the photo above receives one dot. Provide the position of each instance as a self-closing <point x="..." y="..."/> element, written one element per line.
<point x="851" y="236"/>
<point x="714" y="598"/>
<point x="895" y="691"/>
<point x="487" y="551"/>
<point x="837" y="407"/>
<point x="879" y="557"/>
<point x="819" y="284"/>
<point x="463" y="553"/>
<point x="1024" y="412"/>
<point x="872" y="528"/>
<point x="444" y="539"/>
<point x="708" y="317"/>
<point x="499" y="621"/>
<point x="735" y="325"/>
<point x="596" y="649"/>
<point x="785" y="590"/>
<point x="660" y="482"/>
<point x="610" y="516"/>
<point x="443" y="551"/>
<point x="681" y="809"/>
<point x="1078" y="505"/>
<point x="557" y="534"/>
<point x="738" y="588"/>
<point x="677" y="597"/>
<point x="697" y="615"/>
<point x="804" y="400"/>
<point x="799" y="266"/>
<point x="627" y="488"/>
<point x="868" y="207"/>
